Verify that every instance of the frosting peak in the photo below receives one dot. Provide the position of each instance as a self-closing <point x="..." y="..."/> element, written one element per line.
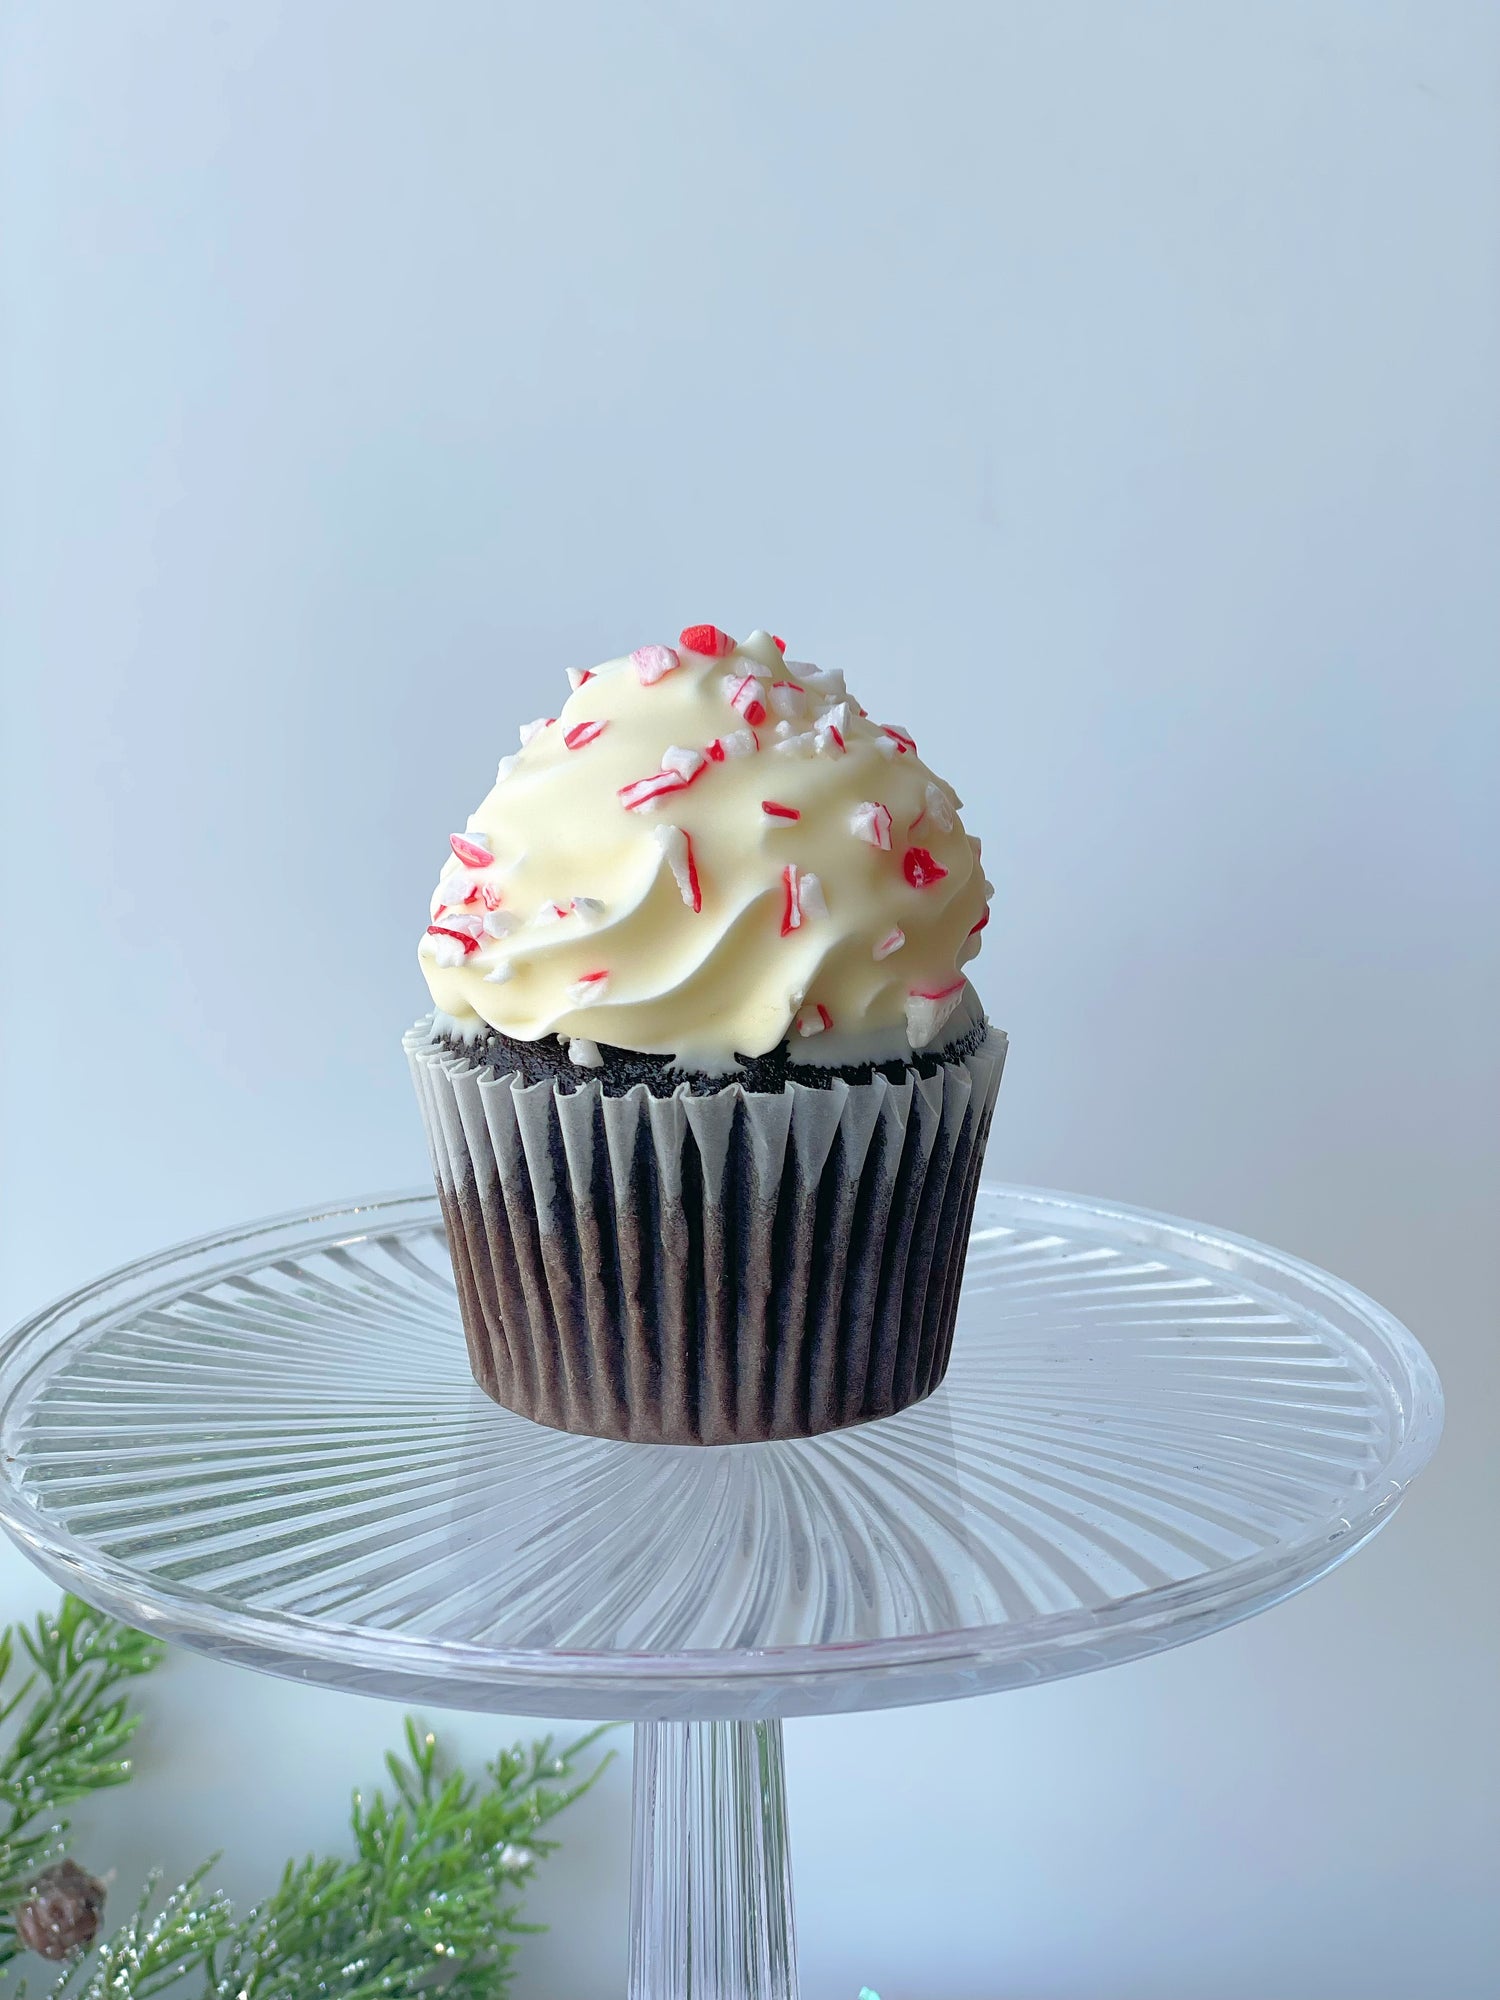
<point x="708" y="850"/>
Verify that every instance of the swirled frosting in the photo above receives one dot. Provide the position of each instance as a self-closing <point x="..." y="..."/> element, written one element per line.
<point x="710" y="850"/>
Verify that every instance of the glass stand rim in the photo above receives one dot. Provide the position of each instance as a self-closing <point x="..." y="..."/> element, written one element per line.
<point x="1391" y="1385"/>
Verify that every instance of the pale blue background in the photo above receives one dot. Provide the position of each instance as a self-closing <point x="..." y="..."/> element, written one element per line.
<point x="1113" y="390"/>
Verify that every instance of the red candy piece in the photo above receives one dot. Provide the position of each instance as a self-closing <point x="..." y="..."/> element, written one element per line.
<point x="791" y="915"/>
<point x="919" y="868"/>
<point x="899" y="737"/>
<point x="645" y="791"/>
<point x="582" y="733"/>
<point x="706" y="639"/>
<point x="982" y="922"/>
<point x="716" y="751"/>
<point x="745" y="697"/>
<point x="778" y="643"/>
<point x="824" y="1016"/>
<point x="441" y="930"/>
<point x="469" y="852"/>
<point x="773" y="810"/>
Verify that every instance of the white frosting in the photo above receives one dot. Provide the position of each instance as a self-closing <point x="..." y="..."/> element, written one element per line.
<point x="631" y="838"/>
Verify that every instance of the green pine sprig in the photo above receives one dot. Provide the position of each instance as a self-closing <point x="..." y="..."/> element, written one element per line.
<point x="64" y="1727"/>
<point x="430" y="1898"/>
<point x="431" y="1893"/>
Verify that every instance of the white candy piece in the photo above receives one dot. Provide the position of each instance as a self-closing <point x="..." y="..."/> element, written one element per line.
<point x="588" y="909"/>
<point x="654" y="663"/>
<point x="550" y="913"/>
<point x="810" y="895"/>
<point x="583" y="992"/>
<point x="939" y="809"/>
<point x="585" y="1053"/>
<point x="463" y="920"/>
<point x="504" y="768"/>
<point x="739" y="743"/>
<point x="499" y="923"/>
<point x="673" y="843"/>
<point x="887" y="745"/>
<point x="871" y="821"/>
<point x="785" y="700"/>
<point x="926" y="1012"/>
<point x="811" y="1022"/>
<point x="797" y="746"/>
<point x="456" y="885"/>
<point x="686" y="763"/>
<point x="479" y="837"/>
<point x="445" y="951"/>
<point x="499" y="973"/>
<point x="530" y="729"/>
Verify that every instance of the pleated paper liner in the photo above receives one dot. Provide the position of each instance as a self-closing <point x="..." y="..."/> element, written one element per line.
<point x="707" y="1270"/>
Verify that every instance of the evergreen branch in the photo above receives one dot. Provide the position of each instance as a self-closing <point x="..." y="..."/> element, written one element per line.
<point x="69" y="1725"/>
<point x="430" y="1898"/>
<point x="147" y="1954"/>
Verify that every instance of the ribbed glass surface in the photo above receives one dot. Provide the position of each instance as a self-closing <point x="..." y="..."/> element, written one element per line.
<point x="268" y="1445"/>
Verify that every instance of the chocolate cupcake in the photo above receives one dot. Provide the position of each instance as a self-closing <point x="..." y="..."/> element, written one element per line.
<point x="706" y="1087"/>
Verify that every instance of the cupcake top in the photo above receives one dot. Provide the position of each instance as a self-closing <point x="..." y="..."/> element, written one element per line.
<point x="711" y="850"/>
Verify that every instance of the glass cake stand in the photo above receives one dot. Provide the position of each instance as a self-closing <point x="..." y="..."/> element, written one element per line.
<point x="267" y="1445"/>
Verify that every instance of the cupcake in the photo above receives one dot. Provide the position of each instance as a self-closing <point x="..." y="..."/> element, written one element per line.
<point x="705" y="1084"/>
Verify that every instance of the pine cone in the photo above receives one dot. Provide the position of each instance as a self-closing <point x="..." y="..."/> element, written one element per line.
<point x="62" y="1914"/>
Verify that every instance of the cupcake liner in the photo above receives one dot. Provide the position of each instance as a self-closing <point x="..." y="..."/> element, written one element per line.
<point x="706" y="1270"/>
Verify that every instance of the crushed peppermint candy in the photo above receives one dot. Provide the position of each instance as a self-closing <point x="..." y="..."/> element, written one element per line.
<point x="829" y="736"/>
<point x="459" y="944"/>
<point x="584" y="1053"/>
<point x="939" y="809"/>
<point x="919" y="868"/>
<point x="550" y="913"/>
<point x="797" y="746"/>
<point x="499" y="973"/>
<point x="871" y="821"/>
<point x="588" y="987"/>
<point x="579" y="677"/>
<point x="802" y="897"/>
<point x="587" y="909"/>
<point x="706" y="639"/>
<point x="530" y="729"/>
<point x="778" y="642"/>
<point x="446" y="948"/>
<point x="504" y="768"/>
<point x="774" y="810"/>
<point x="462" y="925"/>
<point x="686" y="763"/>
<point x="975" y="929"/>
<point x="677" y="848"/>
<point x="739" y="743"/>
<point x="926" y="1011"/>
<point x="744" y="692"/>
<point x="902" y="738"/>
<point x="644" y="792"/>
<point x="892" y="941"/>
<point x="461" y="885"/>
<point x="582" y="733"/>
<point x="653" y="663"/>
<point x="472" y="849"/>
<point x="814" y="1021"/>
<point x="499" y="924"/>
<point x="787" y="698"/>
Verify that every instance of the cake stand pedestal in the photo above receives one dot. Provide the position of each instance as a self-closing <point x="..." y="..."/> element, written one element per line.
<point x="266" y="1445"/>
